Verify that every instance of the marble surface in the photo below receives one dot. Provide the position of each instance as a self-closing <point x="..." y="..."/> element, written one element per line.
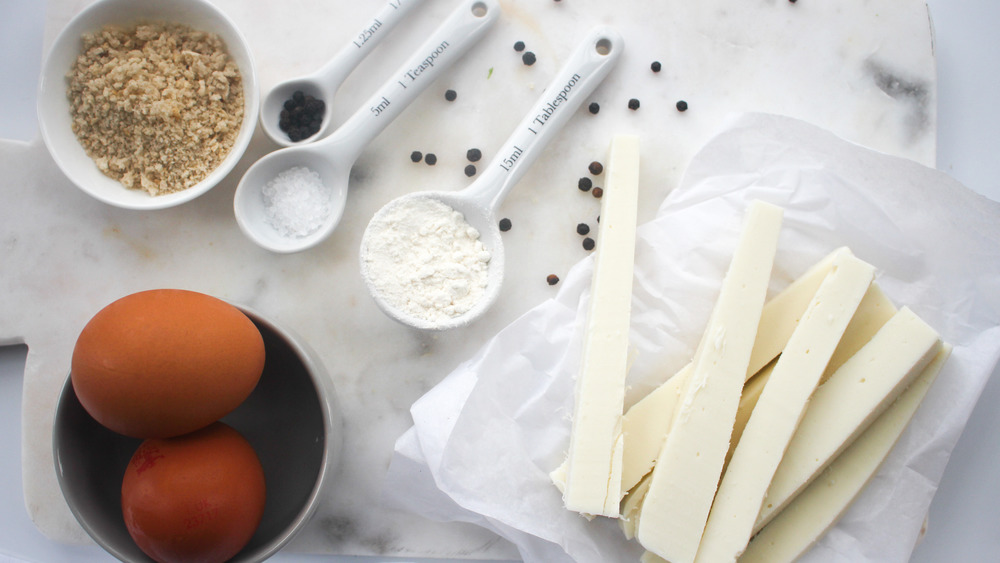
<point x="865" y="70"/>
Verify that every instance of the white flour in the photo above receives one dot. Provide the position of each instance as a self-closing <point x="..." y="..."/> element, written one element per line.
<point x="425" y="260"/>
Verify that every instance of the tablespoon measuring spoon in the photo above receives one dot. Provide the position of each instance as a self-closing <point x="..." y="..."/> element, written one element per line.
<point x="324" y="82"/>
<point x="478" y="202"/>
<point x="331" y="158"/>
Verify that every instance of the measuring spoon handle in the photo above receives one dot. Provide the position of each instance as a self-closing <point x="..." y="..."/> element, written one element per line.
<point x="576" y="79"/>
<point x="463" y="27"/>
<point x="371" y="34"/>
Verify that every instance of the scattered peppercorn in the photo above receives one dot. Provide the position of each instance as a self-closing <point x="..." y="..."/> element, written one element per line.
<point x="431" y="158"/>
<point x="416" y="156"/>
<point x="301" y="116"/>
<point x="552" y="279"/>
<point x="519" y="46"/>
<point x="582" y="229"/>
<point x="585" y="184"/>
<point x="598" y="192"/>
<point x="682" y="106"/>
<point x="450" y="95"/>
<point x="633" y="104"/>
<point x="470" y="170"/>
<point x="505" y="224"/>
<point x="594" y="107"/>
<point x="655" y="66"/>
<point x="588" y="243"/>
<point x="473" y="155"/>
<point x="596" y="168"/>
<point x="528" y="58"/>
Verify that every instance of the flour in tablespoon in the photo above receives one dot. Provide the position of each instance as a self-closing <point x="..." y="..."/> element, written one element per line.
<point x="425" y="260"/>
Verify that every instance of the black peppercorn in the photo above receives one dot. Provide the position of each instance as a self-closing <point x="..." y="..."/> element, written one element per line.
<point x="450" y="95"/>
<point x="633" y="104"/>
<point x="528" y="58"/>
<point x="655" y="66"/>
<point x="519" y="46"/>
<point x="431" y="158"/>
<point x="588" y="243"/>
<point x="552" y="279"/>
<point x="416" y="156"/>
<point x="582" y="229"/>
<point x="302" y="116"/>
<point x="594" y="107"/>
<point x="584" y="184"/>
<point x="682" y="106"/>
<point x="596" y="168"/>
<point x="473" y="155"/>
<point x="505" y="224"/>
<point x="470" y="170"/>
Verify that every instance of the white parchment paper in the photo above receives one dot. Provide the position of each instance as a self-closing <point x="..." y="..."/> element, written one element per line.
<point x="485" y="439"/>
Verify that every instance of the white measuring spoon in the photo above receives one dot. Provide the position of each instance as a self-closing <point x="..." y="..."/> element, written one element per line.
<point x="478" y="202"/>
<point x="324" y="82"/>
<point x="333" y="156"/>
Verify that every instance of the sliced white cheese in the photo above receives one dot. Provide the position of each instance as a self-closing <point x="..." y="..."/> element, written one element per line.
<point x="646" y="424"/>
<point x="804" y="520"/>
<point x="632" y="506"/>
<point x="874" y="311"/>
<point x="783" y="400"/>
<point x="593" y="469"/>
<point x="849" y="401"/>
<point x="687" y="471"/>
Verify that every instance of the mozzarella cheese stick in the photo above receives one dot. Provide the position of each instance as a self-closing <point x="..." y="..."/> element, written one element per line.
<point x="687" y="471"/>
<point x="782" y="401"/>
<point x="646" y="423"/>
<point x="849" y="401"/>
<point x="593" y="468"/>
<point x="817" y="508"/>
<point x="874" y="311"/>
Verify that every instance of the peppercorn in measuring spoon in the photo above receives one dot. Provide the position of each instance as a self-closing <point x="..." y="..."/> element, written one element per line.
<point x="453" y="288"/>
<point x="297" y="110"/>
<point x="289" y="184"/>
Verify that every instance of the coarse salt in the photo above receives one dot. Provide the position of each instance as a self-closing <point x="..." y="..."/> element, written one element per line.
<point x="296" y="202"/>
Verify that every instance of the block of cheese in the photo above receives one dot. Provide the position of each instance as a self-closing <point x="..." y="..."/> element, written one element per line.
<point x="874" y="311"/>
<point x="688" y="468"/>
<point x="782" y="401"/>
<point x="646" y="423"/>
<point x="593" y="468"/>
<point x="849" y="401"/>
<point x="817" y="508"/>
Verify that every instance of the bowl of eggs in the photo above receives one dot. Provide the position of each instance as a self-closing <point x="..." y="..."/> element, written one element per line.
<point x="193" y="429"/>
<point x="147" y="105"/>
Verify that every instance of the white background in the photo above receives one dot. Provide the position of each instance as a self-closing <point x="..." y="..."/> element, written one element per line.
<point x="964" y="521"/>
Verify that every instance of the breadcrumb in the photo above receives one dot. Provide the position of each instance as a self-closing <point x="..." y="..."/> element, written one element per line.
<point x="157" y="106"/>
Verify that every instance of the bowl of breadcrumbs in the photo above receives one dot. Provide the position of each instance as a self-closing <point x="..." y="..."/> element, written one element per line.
<point x="147" y="105"/>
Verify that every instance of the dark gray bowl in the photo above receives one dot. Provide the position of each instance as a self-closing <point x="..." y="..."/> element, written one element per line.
<point x="292" y="420"/>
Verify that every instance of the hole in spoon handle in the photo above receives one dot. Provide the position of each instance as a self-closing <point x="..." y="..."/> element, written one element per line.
<point x="576" y="79"/>
<point x="461" y="30"/>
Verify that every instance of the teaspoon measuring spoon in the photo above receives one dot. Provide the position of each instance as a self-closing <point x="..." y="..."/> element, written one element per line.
<point x="324" y="82"/>
<point x="578" y="77"/>
<point x="333" y="156"/>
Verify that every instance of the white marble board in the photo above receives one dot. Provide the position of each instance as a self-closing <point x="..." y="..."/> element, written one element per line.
<point x="863" y="69"/>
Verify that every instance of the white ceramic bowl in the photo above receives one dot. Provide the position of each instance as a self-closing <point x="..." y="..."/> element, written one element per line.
<point x="54" y="108"/>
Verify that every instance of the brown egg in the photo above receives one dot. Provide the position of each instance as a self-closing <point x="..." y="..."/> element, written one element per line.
<point x="197" y="497"/>
<point x="166" y="362"/>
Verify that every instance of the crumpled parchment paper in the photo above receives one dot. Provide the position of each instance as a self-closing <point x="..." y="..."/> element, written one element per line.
<point x="486" y="437"/>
